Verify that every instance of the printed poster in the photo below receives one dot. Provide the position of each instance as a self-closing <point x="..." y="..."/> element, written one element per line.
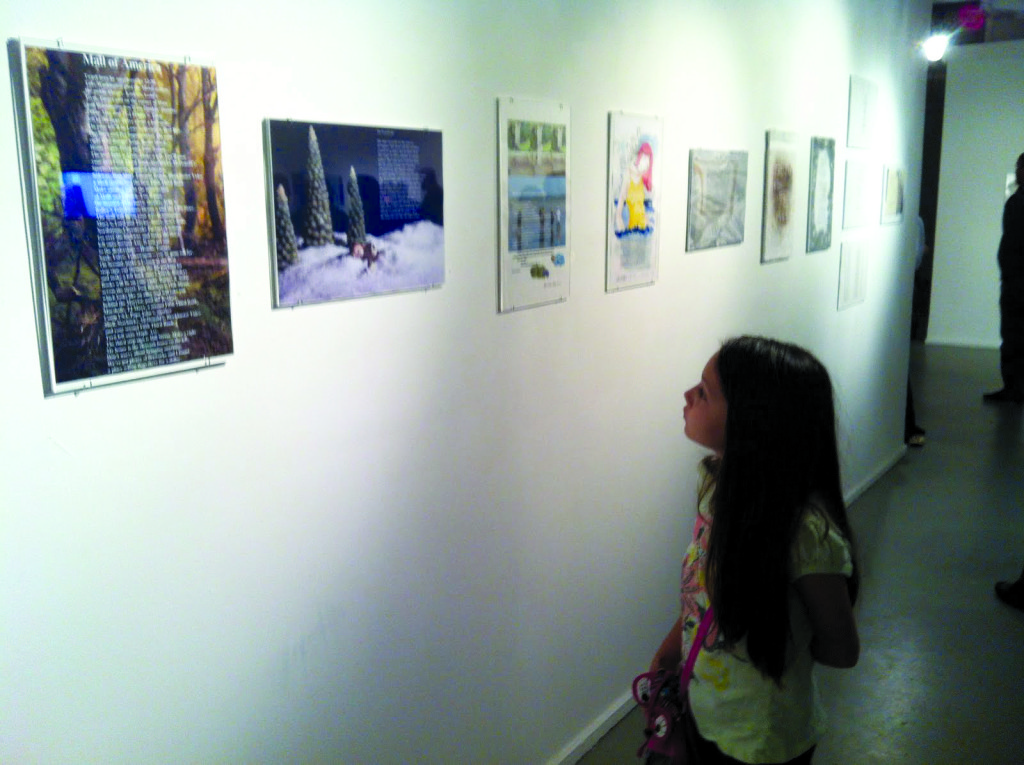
<point x="357" y="211"/>
<point x="718" y="198"/>
<point x="853" y="274"/>
<point x="893" y="183"/>
<point x="634" y="167"/>
<point x="124" y="198"/>
<point x="533" y="203"/>
<point x="860" y="197"/>
<point x="860" y="126"/>
<point x="779" y="222"/>
<point x="821" y="191"/>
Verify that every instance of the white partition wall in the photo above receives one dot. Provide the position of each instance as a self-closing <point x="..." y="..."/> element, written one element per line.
<point x="408" y="528"/>
<point x="982" y="136"/>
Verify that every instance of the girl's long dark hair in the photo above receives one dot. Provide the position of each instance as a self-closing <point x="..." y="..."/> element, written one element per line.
<point x="780" y="457"/>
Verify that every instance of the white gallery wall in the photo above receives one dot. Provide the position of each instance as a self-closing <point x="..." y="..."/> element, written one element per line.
<point x="982" y="136"/>
<point x="407" y="528"/>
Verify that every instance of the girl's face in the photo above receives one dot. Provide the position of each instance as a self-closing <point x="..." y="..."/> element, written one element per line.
<point x="705" y="410"/>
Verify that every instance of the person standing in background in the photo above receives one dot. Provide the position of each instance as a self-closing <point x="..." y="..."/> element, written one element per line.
<point x="1011" y="297"/>
<point x="913" y="434"/>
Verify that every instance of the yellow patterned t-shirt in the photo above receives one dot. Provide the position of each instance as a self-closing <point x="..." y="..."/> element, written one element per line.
<point x="746" y="714"/>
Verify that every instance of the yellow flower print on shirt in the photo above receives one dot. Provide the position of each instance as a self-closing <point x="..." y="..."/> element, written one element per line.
<point x="711" y="669"/>
<point x="692" y="554"/>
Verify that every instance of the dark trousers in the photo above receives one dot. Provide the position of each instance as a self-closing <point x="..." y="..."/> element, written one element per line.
<point x="910" y="426"/>
<point x="1011" y="327"/>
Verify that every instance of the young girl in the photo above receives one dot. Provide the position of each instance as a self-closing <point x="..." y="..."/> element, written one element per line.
<point x="772" y="552"/>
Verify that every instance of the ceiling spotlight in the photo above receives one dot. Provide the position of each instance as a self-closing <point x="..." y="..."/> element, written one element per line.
<point x="935" y="47"/>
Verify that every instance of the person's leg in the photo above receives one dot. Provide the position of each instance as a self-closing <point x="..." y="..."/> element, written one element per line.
<point x="1011" y="352"/>
<point x="913" y="435"/>
<point x="1011" y="349"/>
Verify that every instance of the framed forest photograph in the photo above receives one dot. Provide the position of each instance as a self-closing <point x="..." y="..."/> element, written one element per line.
<point x="353" y="211"/>
<point x="124" y="203"/>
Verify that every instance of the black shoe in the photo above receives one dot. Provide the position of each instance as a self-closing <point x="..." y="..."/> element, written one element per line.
<point x="1003" y="396"/>
<point x="1011" y="593"/>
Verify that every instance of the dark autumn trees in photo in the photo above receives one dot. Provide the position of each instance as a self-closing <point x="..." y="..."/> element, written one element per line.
<point x="100" y="123"/>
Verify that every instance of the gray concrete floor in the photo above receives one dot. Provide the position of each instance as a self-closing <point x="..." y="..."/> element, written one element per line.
<point x="941" y="673"/>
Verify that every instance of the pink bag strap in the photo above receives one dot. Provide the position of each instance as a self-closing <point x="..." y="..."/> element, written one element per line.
<point x="698" y="640"/>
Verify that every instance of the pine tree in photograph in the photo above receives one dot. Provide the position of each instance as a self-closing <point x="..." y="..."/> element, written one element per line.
<point x="316" y="226"/>
<point x="354" y="210"/>
<point x="287" y="249"/>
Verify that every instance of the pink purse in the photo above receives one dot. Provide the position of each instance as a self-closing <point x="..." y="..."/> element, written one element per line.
<point x="663" y="697"/>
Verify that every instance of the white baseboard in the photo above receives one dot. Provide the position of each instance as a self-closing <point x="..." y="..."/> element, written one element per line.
<point x="884" y="467"/>
<point x="573" y="751"/>
<point x="963" y="342"/>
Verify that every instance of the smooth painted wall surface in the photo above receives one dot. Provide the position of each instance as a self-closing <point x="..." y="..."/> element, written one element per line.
<point x="409" y="529"/>
<point x="982" y="136"/>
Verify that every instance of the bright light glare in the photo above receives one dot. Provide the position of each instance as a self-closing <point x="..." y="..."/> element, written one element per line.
<point x="935" y="47"/>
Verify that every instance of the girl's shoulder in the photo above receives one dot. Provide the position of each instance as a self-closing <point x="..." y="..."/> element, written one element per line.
<point x="706" y="469"/>
<point x="815" y="515"/>
<point x="819" y="546"/>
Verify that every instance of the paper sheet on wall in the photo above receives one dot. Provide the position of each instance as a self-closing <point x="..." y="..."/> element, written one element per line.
<point x="894" y="180"/>
<point x="717" y="205"/>
<point x="635" y="156"/>
<point x="820" y="194"/>
<point x="783" y="185"/>
<point x="861" y="193"/>
<point x="853" y="274"/>
<point x="533" y="203"/>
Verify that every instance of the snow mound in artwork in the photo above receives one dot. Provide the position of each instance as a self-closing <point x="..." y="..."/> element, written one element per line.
<point x="411" y="258"/>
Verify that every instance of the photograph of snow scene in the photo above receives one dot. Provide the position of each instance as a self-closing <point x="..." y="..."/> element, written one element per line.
<point x="358" y="211"/>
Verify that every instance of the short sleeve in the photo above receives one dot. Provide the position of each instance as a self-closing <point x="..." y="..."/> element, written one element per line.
<point x="819" y="548"/>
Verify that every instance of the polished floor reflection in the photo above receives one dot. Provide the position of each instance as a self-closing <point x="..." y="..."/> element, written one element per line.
<point x="941" y="675"/>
